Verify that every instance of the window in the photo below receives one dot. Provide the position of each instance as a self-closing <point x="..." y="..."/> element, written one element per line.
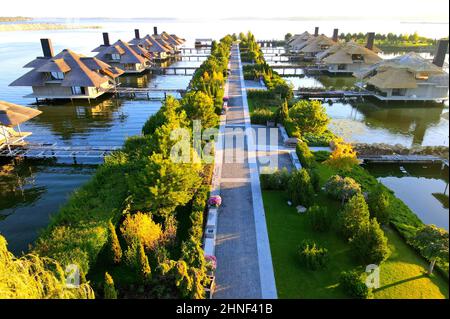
<point x="398" y="92"/>
<point x="422" y="76"/>
<point x="357" y="58"/>
<point x="57" y="75"/>
<point x="342" y="67"/>
<point x="77" y="90"/>
<point x="115" y="57"/>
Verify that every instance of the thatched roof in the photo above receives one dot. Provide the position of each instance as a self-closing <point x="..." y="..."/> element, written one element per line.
<point x="342" y="53"/>
<point x="126" y="51"/>
<point x="151" y="45"/>
<point x="300" y="38"/>
<point x="411" y="61"/>
<point x="170" y="39"/>
<point x="394" y="79"/>
<point x="78" y="71"/>
<point x="315" y="44"/>
<point x="12" y="114"/>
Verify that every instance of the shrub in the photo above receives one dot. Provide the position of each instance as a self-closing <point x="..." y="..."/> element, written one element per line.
<point x="315" y="179"/>
<point x="354" y="216"/>
<point x="321" y="156"/>
<point x="312" y="256"/>
<point x="354" y="285"/>
<point x="304" y="154"/>
<point x="320" y="218"/>
<point x="316" y="139"/>
<point x="379" y="205"/>
<point x="262" y="115"/>
<point x="116" y="250"/>
<point x="342" y="188"/>
<point x="300" y="189"/>
<point x="141" y="228"/>
<point x="309" y="116"/>
<point x="370" y="243"/>
<point x="199" y="106"/>
<point x="277" y="180"/>
<point x="343" y="156"/>
<point x="109" y="291"/>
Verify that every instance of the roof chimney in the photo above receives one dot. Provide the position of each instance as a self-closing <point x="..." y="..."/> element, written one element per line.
<point x="441" y="51"/>
<point x="370" y="40"/>
<point x="47" y="48"/>
<point x="316" y="32"/>
<point x="155" y="30"/>
<point x="136" y="34"/>
<point x="335" y="35"/>
<point x="106" y="39"/>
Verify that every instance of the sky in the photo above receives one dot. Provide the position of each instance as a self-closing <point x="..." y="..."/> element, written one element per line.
<point x="426" y="10"/>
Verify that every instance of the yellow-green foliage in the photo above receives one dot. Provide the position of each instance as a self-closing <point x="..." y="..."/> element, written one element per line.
<point x="109" y="289"/>
<point x="343" y="156"/>
<point x="116" y="250"/>
<point x="141" y="228"/>
<point x="33" y="277"/>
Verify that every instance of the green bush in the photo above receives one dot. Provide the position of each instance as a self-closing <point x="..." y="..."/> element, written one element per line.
<point x="354" y="285"/>
<point x="354" y="216"/>
<point x="379" y="205"/>
<point x="304" y="154"/>
<point x="312" y="256"/>
<point x="315" y="179"/>
<point x="342" y="188"/>
<point x="300" y="189"/>
<point x="309" y="117"/>
<point x="320" y="218"/>
<point x="370" y="243"/>
<point x="277" y="180"/>
<point x="262" y="115"/>
<point x="321" y="156"/>
<point x="318" y="139"/>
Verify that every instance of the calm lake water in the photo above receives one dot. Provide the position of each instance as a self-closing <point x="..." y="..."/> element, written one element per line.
<point x="422" y="188"/>
<point x="30" y="192"/>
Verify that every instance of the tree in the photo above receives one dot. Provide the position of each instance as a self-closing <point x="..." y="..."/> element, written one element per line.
<point x="116" y="250"/>
<point x="433" y="243"/>
<point x="370" y="243"/>
<point x="354" y="215"/>
<point x="162" y="185"/>
<point x="34" y="277"/>
<point x="141" y="228"/>
<point x="300" y="189"/>
<point x="287" y="37"/>
<point x="283" y="112"/>
<point x="342" y="188"/>
<point x="144" y="266"/>
<point x="309" y="116"/>
<point x="343" y="156"/>
<point x="109" y="291"/>
<point x="379" y="205"/>
<point x="199" y="106"/>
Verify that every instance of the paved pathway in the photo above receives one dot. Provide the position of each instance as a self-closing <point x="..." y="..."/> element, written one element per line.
<point x="242" y="247"/>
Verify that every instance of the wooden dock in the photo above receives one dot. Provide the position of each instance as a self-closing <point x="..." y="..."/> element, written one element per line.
<point x="195" y="50"/>
<point x="173" y="70"/>
<point x="331" y="94"/>
<point x="46" y="151"/>
<point x="404" y="159"/>
<point x="148" y="93"/>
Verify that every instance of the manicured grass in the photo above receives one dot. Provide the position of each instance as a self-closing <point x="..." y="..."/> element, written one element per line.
<point x="402" y="275"/>
<point x="255" y="103"/>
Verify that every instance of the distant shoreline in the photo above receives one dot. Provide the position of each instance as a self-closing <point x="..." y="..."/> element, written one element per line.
<point x="14" y="19"/>
<point x="42" y="26"/>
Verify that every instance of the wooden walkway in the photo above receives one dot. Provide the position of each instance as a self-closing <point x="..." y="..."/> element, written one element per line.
<point x="42" y="151"/>
<point x="149" y="93"/>
<point x="332" y="94"/>
<point x="403" y="159"/>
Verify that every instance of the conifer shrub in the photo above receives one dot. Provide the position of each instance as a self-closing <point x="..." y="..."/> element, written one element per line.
<point x="313" y="256"/>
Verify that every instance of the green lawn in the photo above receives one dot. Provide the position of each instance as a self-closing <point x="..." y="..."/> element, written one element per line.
<point x="402" y="275"/>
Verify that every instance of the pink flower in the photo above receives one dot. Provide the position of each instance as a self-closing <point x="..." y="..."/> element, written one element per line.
<point x="211" y="262"/>
<point x="215" y="201"/>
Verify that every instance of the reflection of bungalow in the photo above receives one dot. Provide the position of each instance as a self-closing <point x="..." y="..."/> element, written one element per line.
<point x="12" y="115"/>
<point x="123" y="55"/>
<point x="316" y="45"/>
<point x="67" y="75"/>
<point x="408" y="77"/>
<point x="347" y="58"/>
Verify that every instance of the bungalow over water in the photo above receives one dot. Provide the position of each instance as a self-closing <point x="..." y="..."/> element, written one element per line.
<point x="409" y="77"/>
<point x="161" y="46"/>
<point x="11" y="116"/>
<point x="317" y="45"/>
<point x="347" y="57"/>
<point x="67" y="75"/>
<point x="298" y="41"/>
<point x="129" y="58"/>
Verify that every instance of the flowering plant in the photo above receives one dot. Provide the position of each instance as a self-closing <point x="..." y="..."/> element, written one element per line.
<point x="211" y="262"/>
<point x="215" y="201"/>
<point x="225" y="98"/>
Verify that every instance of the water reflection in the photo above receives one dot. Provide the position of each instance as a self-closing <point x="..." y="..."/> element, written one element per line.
<point x="392" y="123"/>
<point x="424" y="188"/>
